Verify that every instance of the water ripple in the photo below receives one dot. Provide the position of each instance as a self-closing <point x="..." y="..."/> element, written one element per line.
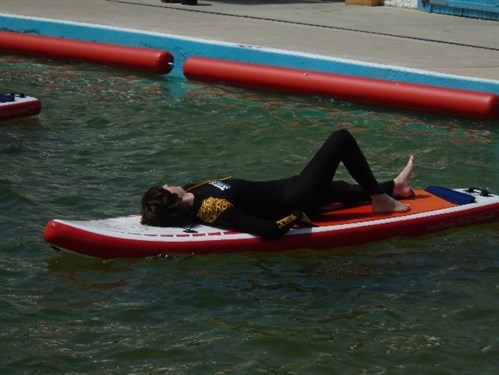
<point x="424" y="305"/>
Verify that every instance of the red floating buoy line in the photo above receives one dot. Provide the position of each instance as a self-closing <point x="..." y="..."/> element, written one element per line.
<point x="146" y="59"/>
<point x="361" y="90"/>
<point x="368" y="91"/>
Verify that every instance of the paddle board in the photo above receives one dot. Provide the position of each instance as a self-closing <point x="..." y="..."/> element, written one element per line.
<point x="432" y="209"/>
<point x="18" y="105"/>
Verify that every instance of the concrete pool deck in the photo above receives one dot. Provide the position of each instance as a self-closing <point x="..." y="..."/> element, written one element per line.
<point x="385" y="35"/>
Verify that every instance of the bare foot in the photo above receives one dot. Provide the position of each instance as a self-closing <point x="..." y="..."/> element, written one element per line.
<point x="402" y="183"/>
<point x="383" y="203"/>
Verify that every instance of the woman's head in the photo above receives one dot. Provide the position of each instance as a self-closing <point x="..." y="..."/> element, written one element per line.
<point x="162" y="208"/>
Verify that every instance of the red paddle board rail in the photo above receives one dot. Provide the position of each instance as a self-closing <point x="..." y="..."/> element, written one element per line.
<point x="147" y="59"/>
<point x="369" y="91"/>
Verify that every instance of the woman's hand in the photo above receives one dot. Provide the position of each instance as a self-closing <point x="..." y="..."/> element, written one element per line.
<point x="306" y="222"/>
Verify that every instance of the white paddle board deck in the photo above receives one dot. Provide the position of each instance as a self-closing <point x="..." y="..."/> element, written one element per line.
<point x="432" y="210"/>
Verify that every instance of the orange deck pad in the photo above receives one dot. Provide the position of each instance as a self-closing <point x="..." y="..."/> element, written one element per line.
<point x="423" y="202"/>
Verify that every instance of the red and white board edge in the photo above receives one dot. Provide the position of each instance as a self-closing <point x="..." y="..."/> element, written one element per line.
<point x="21" y="106"/>
<point x="128" y="238"/>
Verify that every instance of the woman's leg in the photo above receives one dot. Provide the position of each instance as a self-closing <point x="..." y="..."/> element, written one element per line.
<point x="402" y="183"/>
<point x="400" y="186"/>
<point x="347" y="193"/>
<point x="312" y="185"/>
<point x="342" y="147"/>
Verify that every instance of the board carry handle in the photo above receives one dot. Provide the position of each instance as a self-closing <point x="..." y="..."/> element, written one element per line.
<point x="484" y="192"/>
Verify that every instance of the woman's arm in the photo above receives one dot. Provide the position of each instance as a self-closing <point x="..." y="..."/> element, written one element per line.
<point x="241" y="221"/>
<point x="220" y="212"/>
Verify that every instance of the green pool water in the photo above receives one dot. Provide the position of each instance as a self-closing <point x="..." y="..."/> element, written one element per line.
<point x="426" y="305"/>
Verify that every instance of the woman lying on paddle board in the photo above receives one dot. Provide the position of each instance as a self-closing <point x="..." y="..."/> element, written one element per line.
<point x="270" y="208"/>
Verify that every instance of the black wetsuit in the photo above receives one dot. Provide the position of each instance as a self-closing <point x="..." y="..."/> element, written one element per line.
<point x="270" y="208"/>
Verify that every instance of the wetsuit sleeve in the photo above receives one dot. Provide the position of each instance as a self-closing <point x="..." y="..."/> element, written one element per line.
<point x="241" y="221"/>
<point x="222" y="213"/>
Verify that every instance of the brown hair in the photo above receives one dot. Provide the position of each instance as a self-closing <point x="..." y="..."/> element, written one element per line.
<point x="160" y="208"/>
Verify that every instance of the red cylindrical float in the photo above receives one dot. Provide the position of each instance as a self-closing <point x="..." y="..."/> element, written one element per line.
<point x="370" y="91"/>
<point x="151" y="60"/>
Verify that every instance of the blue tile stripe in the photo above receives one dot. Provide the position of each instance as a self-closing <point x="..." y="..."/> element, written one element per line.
<point x="183" y="47"/>
<point x="484" y="9"/>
